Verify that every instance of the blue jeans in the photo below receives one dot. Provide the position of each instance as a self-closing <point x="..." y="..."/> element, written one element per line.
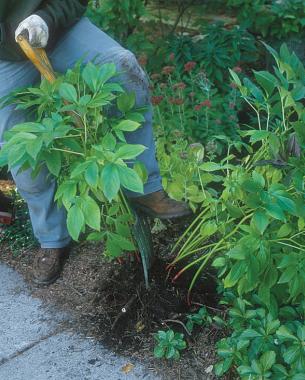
<point x="83" y="40"/>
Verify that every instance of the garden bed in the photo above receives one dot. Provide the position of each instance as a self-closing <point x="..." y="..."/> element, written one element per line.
<point x="95" y="291"/>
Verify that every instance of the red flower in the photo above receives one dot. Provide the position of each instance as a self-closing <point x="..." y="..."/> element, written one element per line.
<point x="197" y="107"/>
<point x="189" y="66"/>
<point x="172" y="57"/>
<point x="155" y="76"/>
<point x="179" y="86"/>
<point x="156" y="100"/>
<point x="192" y="94"/>
<point x="176" y="101"/>
<point x="237" y="69"/>
<point x="167" y="70"/>
<point x="206" y="103"/>
<point x="143" y="60"/>
<point x="163" y="85"/>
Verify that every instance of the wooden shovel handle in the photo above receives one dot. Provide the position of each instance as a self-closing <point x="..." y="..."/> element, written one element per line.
<point x="38" y="57"/>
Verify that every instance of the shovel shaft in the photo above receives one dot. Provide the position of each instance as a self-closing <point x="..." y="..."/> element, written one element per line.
<point x="38" y="57"/>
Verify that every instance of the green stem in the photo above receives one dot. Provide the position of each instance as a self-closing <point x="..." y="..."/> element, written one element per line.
<point x="68" y="151"/>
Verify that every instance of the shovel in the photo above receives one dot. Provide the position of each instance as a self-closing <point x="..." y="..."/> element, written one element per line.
<point x="141" y="228"/>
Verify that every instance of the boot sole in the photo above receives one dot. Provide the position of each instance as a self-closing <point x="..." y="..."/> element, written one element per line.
<point x="45" y="283"/>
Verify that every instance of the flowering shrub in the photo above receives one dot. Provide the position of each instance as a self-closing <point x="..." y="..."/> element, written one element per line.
<point x="186" y="101"/>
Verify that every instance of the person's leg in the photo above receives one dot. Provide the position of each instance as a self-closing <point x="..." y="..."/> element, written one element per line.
<point x="86" y="41"/>
<point x="49" y="222"/>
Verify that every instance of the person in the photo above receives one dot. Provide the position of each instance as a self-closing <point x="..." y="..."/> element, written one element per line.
<point x="61" y="28"/>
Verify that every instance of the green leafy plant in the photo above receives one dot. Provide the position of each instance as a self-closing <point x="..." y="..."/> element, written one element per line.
<point x="118" y="18"/>
<point x="251" y="226"/>
<point x="200" y="318"/>
<point x="169" y="344"/>
<point x="81" y="142"/>
<point x="278" y="19"/>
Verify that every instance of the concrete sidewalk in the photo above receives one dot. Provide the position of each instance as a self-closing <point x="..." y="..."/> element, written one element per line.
<point x="36" y="345"/>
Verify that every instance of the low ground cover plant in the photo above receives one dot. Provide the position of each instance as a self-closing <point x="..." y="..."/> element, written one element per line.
<point x="252" y="229"/>
<point x="81" y="142"/>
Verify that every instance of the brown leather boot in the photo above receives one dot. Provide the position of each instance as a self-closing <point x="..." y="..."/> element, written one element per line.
<point x="6" y="209"/>
<point x="160" y="205"/>
<point x="48" y="265"/>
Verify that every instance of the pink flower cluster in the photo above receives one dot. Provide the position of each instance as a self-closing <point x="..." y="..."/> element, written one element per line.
<point x="206" y="103"/>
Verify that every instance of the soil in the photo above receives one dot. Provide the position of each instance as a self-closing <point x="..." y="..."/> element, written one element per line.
<point x="109" y="302"/>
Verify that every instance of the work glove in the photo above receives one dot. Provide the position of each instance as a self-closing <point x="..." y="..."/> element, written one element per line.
<point x="37" y="29"/>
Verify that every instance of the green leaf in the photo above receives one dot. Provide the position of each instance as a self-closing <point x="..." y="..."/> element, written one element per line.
<point x="129" y="151"/>
<point x="15" y="154"/>
<point x="53" y="162"/>
<point x="79" y="169"/>
<point x="75" y="221"/>
<point x="96" y="236"/>
<point x="106" y="72"/>
<point x="267" y="360"/>
<point x="285" y="230"/>
<point x="140" y="168"/>
<point x="90" y="76"/>
<point x="170" y="352"/>
<point x="96" y="76"/>
<point x="126" y="102"/>
<point x="92" y="213"/>
<point x="222" y="367"/>
<point x="208" y="229"/>
<point x="260" y="221"/>
<point x="287" y="275"/>
<point x="266" y="80"/>
<point x="210" y="166"/>
<point x="127" y="126"/>
<point x="291" y="354"/>
<point x="237" y="253"/>
<point x="250" y="334"/>
<point x="287" y="204"/>
<point x="284" y="333"/>
<point x="111" y="181"/>
<point x="92" y="174"/>
<point x="236" y="273"/>
<point x="130" y="179"/>
<point x="275" y="211"/>
<point x="235" y="77"/>
<point x="123" y="243"/>
<point x="219" y="262"/>
<point x="259" y="135"/>
<point x="159" y="352"/>
<point x="68" y="92"/>
<point x="33" y="147"/>
<point x="29" y="127"/>
<point x="251" y="186"/>
<point x="109" y="142"/>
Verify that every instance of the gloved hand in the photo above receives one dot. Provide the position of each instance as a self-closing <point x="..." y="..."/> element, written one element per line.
<point x="37" y="28"/>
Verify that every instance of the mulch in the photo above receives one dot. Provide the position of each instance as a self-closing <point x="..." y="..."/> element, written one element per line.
<point x="109" y="302"/>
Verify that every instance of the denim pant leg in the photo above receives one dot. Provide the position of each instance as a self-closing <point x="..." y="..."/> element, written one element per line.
<point x="49" y="222"/>
<point x="86" y="41"/>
